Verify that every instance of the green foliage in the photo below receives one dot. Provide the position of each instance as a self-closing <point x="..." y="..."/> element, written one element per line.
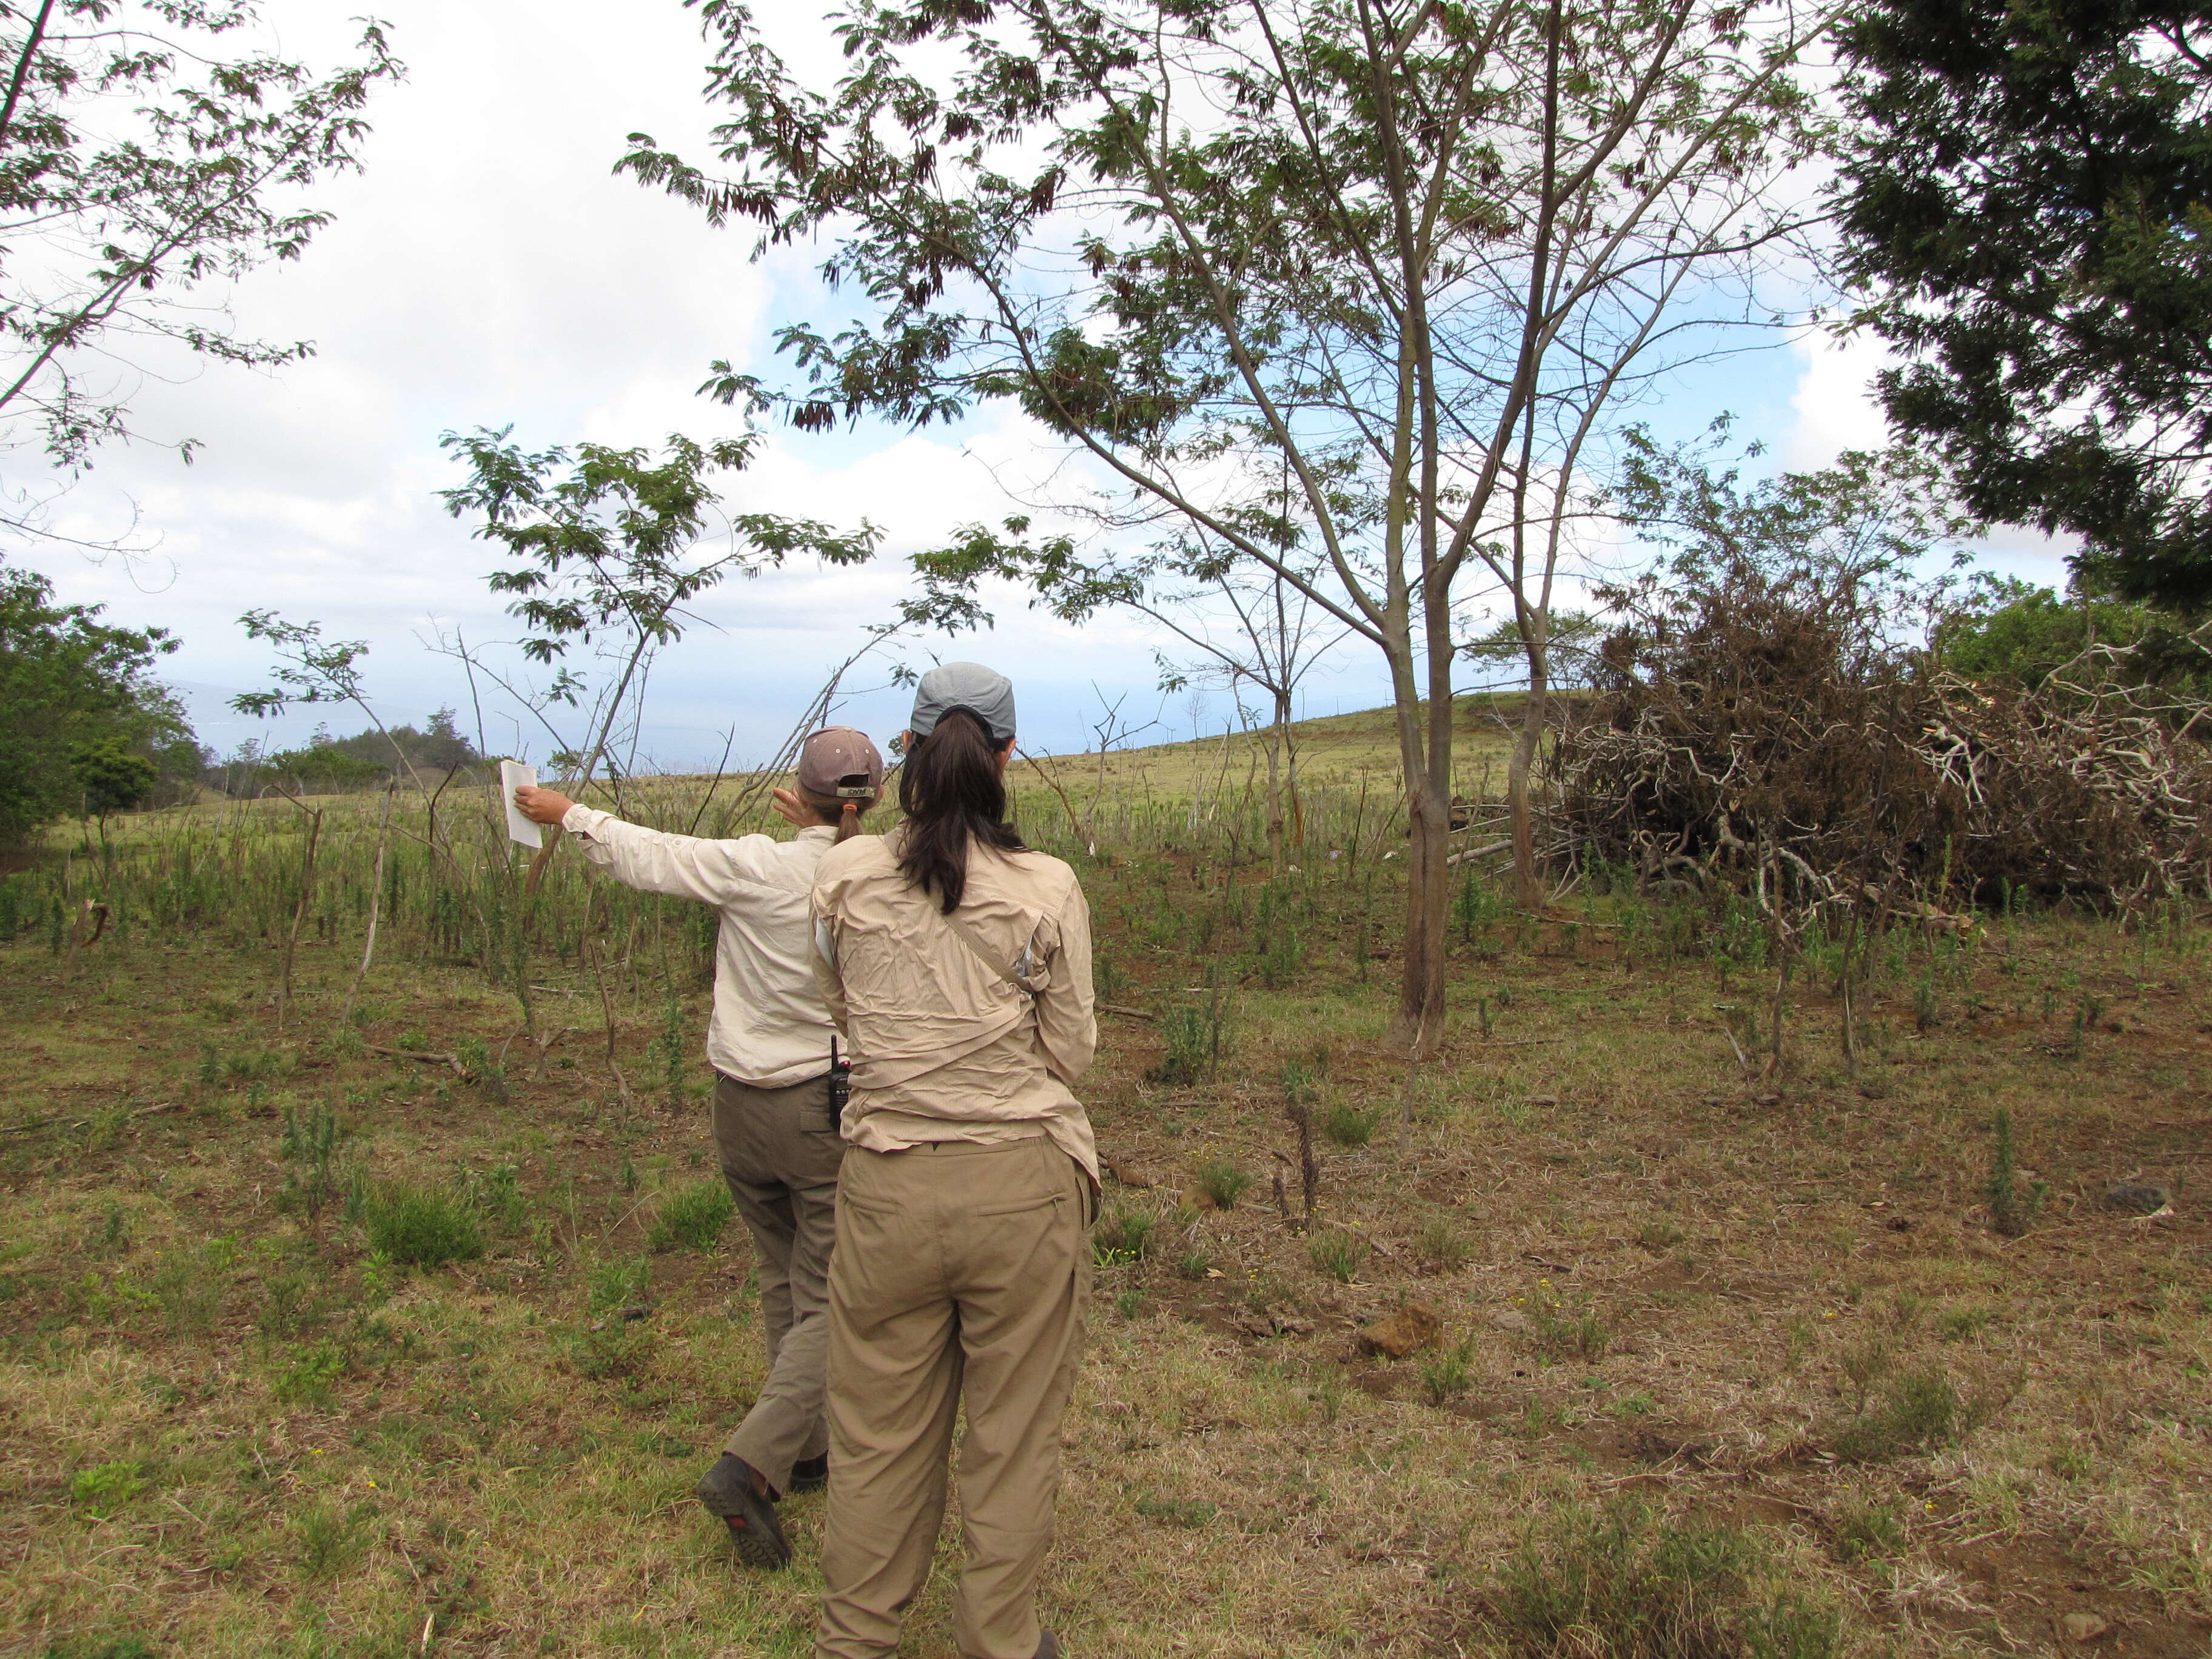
<point x="84" y="727"/>
<point x="1223" y="1180"/>
<point x="2012" y="1207"/>
<point x="1567" y="1332"/>
<point x="148" y="168"/>
<point x="1623" y="1581"/>
<point x="101" y="1491"/>
<point x="2011" y="631"/>
<point x="1347" y="1125"/>
<point x="1911" y="1411"/>
<point x="308" y="1375"/>
<point x="1125" y="1236"/>
<point x="1865" y="1527"/>
<point x="692" y="1217"/>
<point x="1445" y="1373"/>
<point x="190" y="1281"/>
<point x="422" y="1226"/>
<point x="310" y="1143"/>
<point x="328" y="1540"/>
<point x="1193" y="1038"/>
<point x="1336" y="1253"/>
<point x="1993" y="146"/>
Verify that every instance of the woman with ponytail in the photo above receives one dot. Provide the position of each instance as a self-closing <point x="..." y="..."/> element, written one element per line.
<point x="958" y="964"/>
<point x="772" y="1046"/>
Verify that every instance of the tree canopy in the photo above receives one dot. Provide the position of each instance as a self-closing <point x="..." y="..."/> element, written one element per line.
<point x="83" y="724"/>
<point x="2029" y="195"/>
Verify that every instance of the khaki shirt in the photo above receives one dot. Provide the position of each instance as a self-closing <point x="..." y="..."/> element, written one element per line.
<point x="942" y="1047"/>
<point x="770" y="1026"/>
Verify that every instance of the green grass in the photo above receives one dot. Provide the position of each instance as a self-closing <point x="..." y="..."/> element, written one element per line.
<point x="422" y="1225"/>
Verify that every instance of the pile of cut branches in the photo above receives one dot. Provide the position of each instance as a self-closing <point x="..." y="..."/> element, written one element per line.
<point x="1756" y="736"/>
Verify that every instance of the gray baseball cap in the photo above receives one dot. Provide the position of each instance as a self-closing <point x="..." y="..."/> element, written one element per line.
<point x="983" y="692"/>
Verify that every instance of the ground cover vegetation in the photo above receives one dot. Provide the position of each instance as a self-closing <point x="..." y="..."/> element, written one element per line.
<point x="1733" y="1314"/>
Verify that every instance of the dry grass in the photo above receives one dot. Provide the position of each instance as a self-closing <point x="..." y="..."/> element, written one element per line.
<point x="1775" y="1307"/>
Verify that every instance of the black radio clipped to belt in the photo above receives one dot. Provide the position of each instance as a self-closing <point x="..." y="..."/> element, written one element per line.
<point x="840" y="1086"/>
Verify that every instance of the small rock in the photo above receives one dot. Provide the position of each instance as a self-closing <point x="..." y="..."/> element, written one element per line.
<point x="2083" y="1626"/>
<point x="1510" y="1320"/>
<point x="1413" y="1326"/>
<point x="2142" y="1197"/>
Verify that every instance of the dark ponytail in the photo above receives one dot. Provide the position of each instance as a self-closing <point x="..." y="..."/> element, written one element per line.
<point x="952" y="795"/>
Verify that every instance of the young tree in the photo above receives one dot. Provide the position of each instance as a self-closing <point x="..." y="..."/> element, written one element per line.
<point x="2028" y="194"/>
<point x="137" y="169"/>
<point x="608" y="543"/>
<point x="1406" y="254"/>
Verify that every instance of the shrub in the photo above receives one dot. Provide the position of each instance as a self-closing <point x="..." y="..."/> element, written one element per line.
<point x="1916" y="1410"/>
<point x="1577" y="1333"/>
<point x="190" y="1281"/>
<point x="1624" y="1582"/>
<point x="1223" y="1182"/>
<point x="2013" y="1208"/>
<point x="421" y="1226"/>
<point x="1443" y="1242"/>
<point x="692" y="1217"/>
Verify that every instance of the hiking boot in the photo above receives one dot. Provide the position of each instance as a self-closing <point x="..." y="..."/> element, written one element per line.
<point x="729" y="1490"/>
<point x="809" y="1474"/>
<point x="1048" y="1646"/>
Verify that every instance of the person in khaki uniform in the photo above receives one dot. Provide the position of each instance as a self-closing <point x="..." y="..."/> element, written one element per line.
<point x="775" y="1135"/>
<point x="958" y="962"/>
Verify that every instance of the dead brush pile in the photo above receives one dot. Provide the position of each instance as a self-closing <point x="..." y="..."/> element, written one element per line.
<point x="1762" y="733"/>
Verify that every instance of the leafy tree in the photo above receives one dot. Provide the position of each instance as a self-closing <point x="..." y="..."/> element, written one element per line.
<point x="112" y="779"/>
<point x="2030" y="199"/>
<point x="75" y="692"/>
<point x="1341" y="290"/>
<point x="138" y="167"/>
<point x="2016" y="631"/>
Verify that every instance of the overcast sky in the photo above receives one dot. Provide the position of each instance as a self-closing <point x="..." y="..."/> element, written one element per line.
<point x="485" y="269"/>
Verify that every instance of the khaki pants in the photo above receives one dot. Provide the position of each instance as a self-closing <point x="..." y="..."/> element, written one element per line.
<point x="962" y="1272"/>
<point x="780" y="1153"/>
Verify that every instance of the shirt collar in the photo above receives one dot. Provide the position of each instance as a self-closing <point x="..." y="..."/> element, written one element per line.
<point x="816" y="832"/>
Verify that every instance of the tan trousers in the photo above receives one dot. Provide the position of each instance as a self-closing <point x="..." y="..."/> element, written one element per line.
<point x="962" y="1272"/>
<point x="780" y="1153"/>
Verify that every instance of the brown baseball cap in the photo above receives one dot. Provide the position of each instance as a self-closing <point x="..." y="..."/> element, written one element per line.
<point x="839" y="763"/>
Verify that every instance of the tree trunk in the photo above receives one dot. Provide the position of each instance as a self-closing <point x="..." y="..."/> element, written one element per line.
<point x="1527" y="888"/>
<point x="1277" y="735"/>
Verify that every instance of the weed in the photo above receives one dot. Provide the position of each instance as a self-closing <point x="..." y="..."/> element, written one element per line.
<point x="1223" y="1182"/>
<point x="1444" y="1242"/>
<point x="1195" y="1264"/>
<point x="421" y="1226"/>
<point x="1659" y="1236"/>
<point x="1176" y="1512"/>
<point x="1564" y="1333"/>
<point x="101" y="1491"/>
<point x="309" y="1375"/>
<point x="329" y="1541"/>
<point x="621" y="1282"/>
<point x="1128" y="1300"/>
<point x="1125" y="1236"/>
<point x="1916" y="1410"/>
<point x="1957" y="1324"/>
<point x="1446" y="1372"/>
<point x="1624" y="1582"/>
<point x="112" y="1236"/>
<point x="496" y="1194"/>
<point x="1193" y="1038"/>
<point x="1347" y="1125"/>
<point x="310" y="1142"/>
<point x="1865" y="1528"/>
<point x="190" y="1281"/>
<point x="692" y="1217"/>
<point x="1336" y="1253"/>
<point x="2011" y="1208"/>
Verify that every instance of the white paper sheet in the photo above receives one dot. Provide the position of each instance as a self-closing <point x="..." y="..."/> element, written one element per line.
<point x="513" y="775"/>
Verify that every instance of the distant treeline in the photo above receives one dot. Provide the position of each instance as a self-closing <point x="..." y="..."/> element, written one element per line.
<point x="327" y="765"/>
